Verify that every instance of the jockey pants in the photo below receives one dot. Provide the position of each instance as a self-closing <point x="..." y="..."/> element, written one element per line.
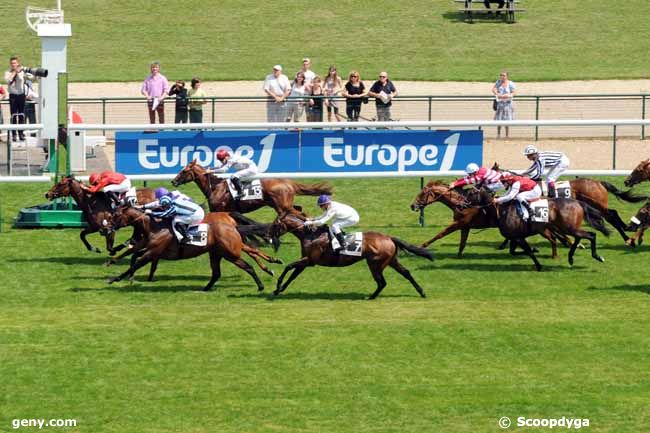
<point x="340" y="223"/>
<point x="189" y="220"/>
<point x="246" y="173"/>
<point x="528" y="196"/>
<point x="123" y="187"/>
<point x="557" y="170"/>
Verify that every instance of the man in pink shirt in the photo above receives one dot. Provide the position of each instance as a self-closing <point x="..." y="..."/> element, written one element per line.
<point x="154" y="88"/>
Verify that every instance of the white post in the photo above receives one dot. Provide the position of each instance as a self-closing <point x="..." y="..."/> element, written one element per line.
<point x="54" y="38"/>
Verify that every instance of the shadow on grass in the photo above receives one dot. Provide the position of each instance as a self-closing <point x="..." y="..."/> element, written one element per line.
<point x="501" y="267"/>
<point x="318" y="296"/>
<point x="146" y="287"/>
<point x="459" y="17"/>
<point x="142" y="276"/>
<point x="96" y="259"/>
<point x="643" y="288"/>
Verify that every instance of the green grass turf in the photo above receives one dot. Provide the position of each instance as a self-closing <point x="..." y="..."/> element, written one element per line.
<point x="493" y="338"/>
<point x="417" y="40"/>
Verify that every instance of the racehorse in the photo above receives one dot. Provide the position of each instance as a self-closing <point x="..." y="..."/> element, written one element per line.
<point x="159" y="242"/>
<point x="595" y="193"/>
<point x="379" y="250"/>
<point x="468" y="214"/>
<point x="640" y="173"/>
<point x="640" y="222"/>
<point x="277" y="193"/>
<point x="248" y="230"/>
<point x="565" y="217"/>
<point x="96" y="209"/>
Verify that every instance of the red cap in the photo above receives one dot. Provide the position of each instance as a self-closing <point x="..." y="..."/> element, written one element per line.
<point x="222" y="154"/>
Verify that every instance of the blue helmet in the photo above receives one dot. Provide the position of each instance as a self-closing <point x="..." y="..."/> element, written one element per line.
<point x="323" y="199"/>
<point x="161" y="192"/>
<point x="165" y="200"/>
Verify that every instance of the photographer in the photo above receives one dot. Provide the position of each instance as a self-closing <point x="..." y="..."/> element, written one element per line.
<point x="15" y="78"/>
<point x="180" y="91"/>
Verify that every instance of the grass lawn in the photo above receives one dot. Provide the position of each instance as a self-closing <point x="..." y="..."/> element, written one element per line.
<point x="493" y="338"/>
<point x="417" y="40"/>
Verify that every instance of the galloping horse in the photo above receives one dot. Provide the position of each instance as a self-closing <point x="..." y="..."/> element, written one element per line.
<point x="159" y="242"/>
<point x="595" y="193"/>
<point x="466" y="216"/>
<point x="277" y="193"/>
<point x="640" y="173"/>
<point x="565" y="218"/>
<point x="249" y="230"/>
<point x="379" y="250"/>
<point x="96" y="209"/>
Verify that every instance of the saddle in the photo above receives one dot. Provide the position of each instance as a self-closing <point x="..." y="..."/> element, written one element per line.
<point x="251" y="190"/>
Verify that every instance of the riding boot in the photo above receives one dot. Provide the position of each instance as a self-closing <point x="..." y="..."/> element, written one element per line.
<point x="236" y="182"/>
<point x="527" y="210"/>
<point x="341" y="238"/>
<point x="182" y="229"/>
<point x="551" y="190"/>
<point x="114" y="198"/>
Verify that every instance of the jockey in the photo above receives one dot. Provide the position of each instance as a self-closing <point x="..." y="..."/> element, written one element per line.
<point x="245" y="168"/>
<point x="557" y="162"/>
<point x="185" y="212"/>
<point x="344" y="216"/>
<point x="522" y="189"/>
<point x="111" y="183"/>
<point x="161" y="191"/>
<point x="479" y="176"/>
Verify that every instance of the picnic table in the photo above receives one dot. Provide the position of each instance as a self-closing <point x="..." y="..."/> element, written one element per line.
<point x="508" y="11"/>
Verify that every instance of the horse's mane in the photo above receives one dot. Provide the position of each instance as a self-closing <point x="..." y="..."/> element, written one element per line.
<point x="434" y="183"/>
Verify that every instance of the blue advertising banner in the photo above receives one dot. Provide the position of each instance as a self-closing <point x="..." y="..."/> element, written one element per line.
<point x="314" y="151"/>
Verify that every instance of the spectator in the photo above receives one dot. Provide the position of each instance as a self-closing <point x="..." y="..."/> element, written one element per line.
<point x="3" y="95"/>
<point x="383" y="90"/>
<point x="355" y="92"/>
<point x="196" y="103"/>
<point x="296" y="107"/>
<point x="15" y="78"/>
<point x="277" y="87"/>
<point x="332" y="87"/>
<point x="155" y="88"/>
<point x="179" y="90"/>
<point x="500" y="2"/>
<point x="309" y="74"/>
<point x="315" y="110"/>
<point x="503" y="91"/>
<point x="31" y="100"/>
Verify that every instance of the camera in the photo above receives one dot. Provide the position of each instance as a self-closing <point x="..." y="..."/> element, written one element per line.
<point x="37" y="72"/>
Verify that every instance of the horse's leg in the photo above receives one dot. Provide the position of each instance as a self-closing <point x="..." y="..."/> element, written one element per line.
<point x="259" y="253"/>
<point x="572" y="250"/>
<point x="395" y="264"/>
<point x="297" y="266"/>
<point x="377" y="270"/>
<point x="513" y="248"/>
<point x="528" y="250"/>
<point x="154" y="266"/>
<point x="89" y="247"/>
<point x="140" y="262"/>
<point x="592" y="239"/>
<point x="464" y="233"/>
<point x="215" y="264"/>
<point x="240" y="263"/>
<point x="503" y="245"/>
<point x="549" y="235"/>
<point x="261" y="265"/>
<point x="615" y="220"/>
<point x="110" y="240"/>
<point x="450" y="229"/>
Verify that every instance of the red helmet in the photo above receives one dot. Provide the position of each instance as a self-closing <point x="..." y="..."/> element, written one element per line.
<point x="221" y="155"/>
<point x="94" y="179"/>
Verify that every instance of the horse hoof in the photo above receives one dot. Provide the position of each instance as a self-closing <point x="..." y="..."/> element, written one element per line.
<point x="108" y="263"/>
<point x="276" y="292"/>
<point x="97" y="250"/>
<point x="600" y="259"/>
<point x="260" y="288"/>
<point x="423" y="295"/>
<point x="535" y="250"/>
<point x="582" y="247"/>
<point x="279" y="261"/>
<point x="112" y="280"/>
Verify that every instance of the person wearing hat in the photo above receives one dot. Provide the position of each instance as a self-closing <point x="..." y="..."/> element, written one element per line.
<point x="111" y="183"/>
<point x="277" y="87"/>
<point x="245" y="168"/>
<point x="342" y="215"/>
<point x="522" y="189"/>
<point x="556" y="163"/>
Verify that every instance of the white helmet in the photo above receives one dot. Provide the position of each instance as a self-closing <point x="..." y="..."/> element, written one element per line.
<point x="471" y="168"/>
<point x="530" y="150"/>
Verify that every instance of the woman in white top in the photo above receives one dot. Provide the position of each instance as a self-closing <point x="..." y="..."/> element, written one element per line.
<point x="296" y="107"/>
<point x="332" y="87"/>
<point x="504" y="90"/>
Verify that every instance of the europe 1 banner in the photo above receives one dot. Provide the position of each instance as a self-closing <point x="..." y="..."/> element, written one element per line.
<point x="314" y="151"/>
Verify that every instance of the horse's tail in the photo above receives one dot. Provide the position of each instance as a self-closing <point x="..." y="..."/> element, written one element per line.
<point x="242" y="219"/>
<point x="623" y="195"/>
<point x="251" y="233"/>
<point x="418" y="251"/>
<point x="314" y="189"/>
<point x="595" y="218"/>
